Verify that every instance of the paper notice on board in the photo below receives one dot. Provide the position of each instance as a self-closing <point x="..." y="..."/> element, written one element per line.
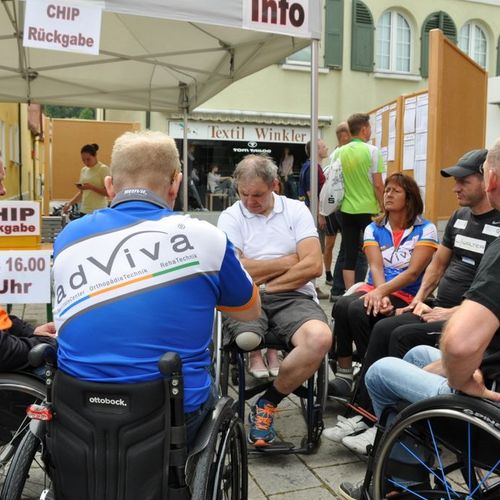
<point x="384" y="152"/>
<point x="378" y="130"/>
<point x="420" y="172"/>
<point x="409" y="152"/>
<point x="391" y="154"/>
<point x="422" y="113"/>
<point x="409" y="115"/>
<point x="421" y="145"/>
<point x="391" y="149"/>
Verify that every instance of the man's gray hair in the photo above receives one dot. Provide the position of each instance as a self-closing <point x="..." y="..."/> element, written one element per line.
<point x="144" y="159"/>
<point x="493" y="156"/>
<point x="256" y="166"/>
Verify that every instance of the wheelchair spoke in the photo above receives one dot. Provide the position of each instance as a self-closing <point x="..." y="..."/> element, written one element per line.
<point x="485" y="478"/>
<point x="438" y="456"/>
<point x="469" y="455"/>
<point x="406" y="488"/>
<point x="421" y="462"/>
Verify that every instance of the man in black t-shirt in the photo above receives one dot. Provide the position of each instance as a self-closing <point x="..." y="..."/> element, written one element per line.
<point x="469" y="359"/>
<point x="467" y="235"/>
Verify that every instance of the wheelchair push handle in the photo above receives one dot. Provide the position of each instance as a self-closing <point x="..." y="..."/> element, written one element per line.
<point x="170" y="363"/>
<point x="42" y="354"/>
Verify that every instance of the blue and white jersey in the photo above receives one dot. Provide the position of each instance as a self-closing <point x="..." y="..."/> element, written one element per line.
<point x="135" y="281"/>
<point x="397" y="258"/>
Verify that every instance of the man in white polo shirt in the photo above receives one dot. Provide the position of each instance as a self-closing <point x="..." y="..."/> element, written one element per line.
<point x="279" y="247"/>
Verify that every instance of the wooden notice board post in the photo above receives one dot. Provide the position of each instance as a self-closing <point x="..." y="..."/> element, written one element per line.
<point x="457" y="118"/>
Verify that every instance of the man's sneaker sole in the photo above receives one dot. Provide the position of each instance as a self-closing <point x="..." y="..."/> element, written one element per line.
<point x="261" y="443"/>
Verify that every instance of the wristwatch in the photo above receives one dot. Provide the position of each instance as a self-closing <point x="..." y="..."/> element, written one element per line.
<point x="262" y="287"/>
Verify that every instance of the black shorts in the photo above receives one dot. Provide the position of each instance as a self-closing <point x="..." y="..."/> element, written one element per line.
<point x="282" y="315"/>
<point x="332" y="225"/>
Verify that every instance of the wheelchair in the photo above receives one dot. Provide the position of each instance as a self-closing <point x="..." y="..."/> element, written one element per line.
<point x="230" y="366"/>
<point x="17" y="391"/>
<point x="442" y="447"/>
<point x="101" y="441"/>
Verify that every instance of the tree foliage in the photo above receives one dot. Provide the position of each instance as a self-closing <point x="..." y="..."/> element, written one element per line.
<point x="69" y="112"/>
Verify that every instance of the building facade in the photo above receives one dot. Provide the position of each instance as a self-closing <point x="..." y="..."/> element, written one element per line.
<point x="371" y="52"/>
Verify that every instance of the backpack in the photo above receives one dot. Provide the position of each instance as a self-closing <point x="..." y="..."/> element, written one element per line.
<point x="332" y="192"/>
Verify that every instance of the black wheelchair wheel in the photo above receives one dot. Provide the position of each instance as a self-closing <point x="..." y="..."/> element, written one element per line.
<point x="445" y="447"/>
<point x="222" y="467"/>
<point x="26" y="476"/>
<point x="313" y="402"/>
<point x="17" y="392"/>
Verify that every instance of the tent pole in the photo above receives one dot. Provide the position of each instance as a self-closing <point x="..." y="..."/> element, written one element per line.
<point x="185" y="179"/>
<point x="314" y="130"/>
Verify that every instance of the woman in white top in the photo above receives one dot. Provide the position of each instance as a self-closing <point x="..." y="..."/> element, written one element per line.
<point x="91" y="190"/>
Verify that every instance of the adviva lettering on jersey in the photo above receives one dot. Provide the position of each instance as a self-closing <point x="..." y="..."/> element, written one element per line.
<point x="128" y="260"/>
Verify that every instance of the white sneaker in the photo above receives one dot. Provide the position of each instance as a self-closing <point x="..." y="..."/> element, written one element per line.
<point x="345" y="427"/>
<point x="360" y="442"/>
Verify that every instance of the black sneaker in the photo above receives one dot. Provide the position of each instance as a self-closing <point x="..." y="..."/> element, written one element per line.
<point x="340" y="387"/>
<point x="351" y="491"/>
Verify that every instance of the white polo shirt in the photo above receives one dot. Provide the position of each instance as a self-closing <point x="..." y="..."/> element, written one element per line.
<point x="261" y="237"/>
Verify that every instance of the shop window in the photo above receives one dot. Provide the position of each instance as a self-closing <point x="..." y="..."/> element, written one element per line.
<point x="472" y="40"/>
<point x="393" y="46"/>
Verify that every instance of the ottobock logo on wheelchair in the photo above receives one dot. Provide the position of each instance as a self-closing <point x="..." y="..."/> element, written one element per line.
<point x="117" y="404"/>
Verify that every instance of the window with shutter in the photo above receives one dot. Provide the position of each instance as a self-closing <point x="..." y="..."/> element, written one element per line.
<point x="473" y="41"/>
<point x="393" y="43"/>
<point x="362" y="37"/>
<point x="334" y="33"/>
<point x="435" y="20"/>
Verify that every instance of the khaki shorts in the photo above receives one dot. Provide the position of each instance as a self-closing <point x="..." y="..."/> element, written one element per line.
<point x="282" y="315"/>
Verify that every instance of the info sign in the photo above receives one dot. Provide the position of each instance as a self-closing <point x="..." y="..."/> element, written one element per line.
<point x="73" y="26"/>
<point x="25" y="277"/>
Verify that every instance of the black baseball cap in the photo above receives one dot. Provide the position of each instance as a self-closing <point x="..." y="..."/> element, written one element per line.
<point x="469" y="164"/>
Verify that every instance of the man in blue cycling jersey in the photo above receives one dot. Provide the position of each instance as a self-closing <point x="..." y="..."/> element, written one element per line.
<point x="135" y="280"/>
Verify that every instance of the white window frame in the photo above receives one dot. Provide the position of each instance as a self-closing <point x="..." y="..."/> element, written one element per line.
<point x="470" y="49"/>
<point x="393" y="45"/>
<point x="290" y="60"/>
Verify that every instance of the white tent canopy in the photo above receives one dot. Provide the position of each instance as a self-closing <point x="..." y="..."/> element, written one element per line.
<point x="154" y="55"/>
<point x="159" y="55"/>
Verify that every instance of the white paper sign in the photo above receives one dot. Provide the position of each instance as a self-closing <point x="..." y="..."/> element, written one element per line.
<point x="290" y="18"/>
<point x="73" y="26"/>
<point x="19" y="218"/>
<point x="25" y="277"/>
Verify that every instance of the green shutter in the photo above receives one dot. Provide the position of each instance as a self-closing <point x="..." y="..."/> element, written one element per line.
<point x="362" y="37"/>
<point x="498" y="58"/>
<point x="334" y="33"/>
<point x="435" y="20"/>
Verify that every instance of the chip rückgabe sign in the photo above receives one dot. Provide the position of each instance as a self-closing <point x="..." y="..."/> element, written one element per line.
<point x="68" y="26"/>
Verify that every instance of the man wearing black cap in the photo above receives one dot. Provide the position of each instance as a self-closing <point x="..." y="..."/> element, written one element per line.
<point x="467" y="235"/>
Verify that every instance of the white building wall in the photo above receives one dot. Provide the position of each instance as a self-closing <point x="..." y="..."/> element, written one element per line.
<point x="286" y="88"/>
